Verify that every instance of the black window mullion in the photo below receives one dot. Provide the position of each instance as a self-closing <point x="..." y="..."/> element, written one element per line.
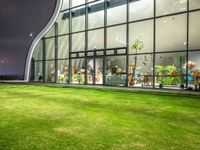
<point x="86" y="40"/>
<point x="105" y="41"/>
<point x="70" y="42"/>
<point x="154" y="43"/>
<point x="187" y="45"/>
<point x="56" y="52"/>
<point x="43" y="59"/>
<point x="127" y="42"/>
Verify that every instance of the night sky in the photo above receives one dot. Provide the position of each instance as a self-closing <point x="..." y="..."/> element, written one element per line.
<point x="19" y="18"/>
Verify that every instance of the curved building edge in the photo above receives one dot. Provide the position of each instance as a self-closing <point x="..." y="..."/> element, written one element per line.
<point x="38" y="38"/>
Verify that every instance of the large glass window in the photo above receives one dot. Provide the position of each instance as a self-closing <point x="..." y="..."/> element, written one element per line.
<point x="170" y="70"/>
<point x="194" y="34"/>
<point x="38" y="71"/>
<point x="140" y="70"/>
<point x="63" y="71"/>
<point x="78" y="19"/>
<point x="38" y="52"/>
<point x="63" y="24"/>
<point x="194" y="4"/>
<point x="96" y="39"/>
<point x="50" y="48"/>
<point x="65" y="4"/>
<point x="78" y="71"/>
<point x="96" y="15"/>
<point x="77" y="2"/>
<point x="50" y="71"/>
<point x="78" y="42"/>
<point x="117" y="14"/>
<point x="63" y="47"/>
<point x="116" y="36"/>
<point x="115" y="70"/>
<point x="194" y="70"/>
<point x="164" y="7"/>
<point x="141" y="37"/>
<point x="140" y="9"/>
<point x="171" y="33"/>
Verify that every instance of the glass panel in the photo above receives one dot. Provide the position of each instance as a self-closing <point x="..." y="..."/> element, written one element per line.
<point x="78" y="19"/>
<point x="194" y="71"/>
<point x="170" y="70"/>
<point x="38" y="51"/>
<point x="50" y="48"/>
<point x="78" y="71"/>
<point x="99" y="71"/>
<point x="171" y="33"/>
<point x="164" y="7"/>
<point x="38" y="71"/>
<point x="136" y="9"/>
<point x="63" y="47"/>
<point x="50" y="71"/>
<point x="194" y="34"/>
<point x="96" y="39"/>
<point x="116" y="36"/>
<point x="63" y="71"/>
<point x="141" y="33"/>
<point x="78" y="42"/>
<point x="65" y="4"/>
<point x="63" y="24"/>
<point x="90" y="71"/>
<point x="116" y="15"/>
<point x="115" y="67"/>
<point x="194" y="4"/>
<point x="91" y="0"/>
<point x="77" y="2"/>
<point x="140" y="70"/>
<point x="96" y="15"/>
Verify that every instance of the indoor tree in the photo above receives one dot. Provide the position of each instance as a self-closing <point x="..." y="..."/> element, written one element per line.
<point x="137" y="45"/>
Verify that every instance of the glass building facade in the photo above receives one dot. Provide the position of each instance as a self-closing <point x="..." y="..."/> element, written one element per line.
<point x="132" y="43"/>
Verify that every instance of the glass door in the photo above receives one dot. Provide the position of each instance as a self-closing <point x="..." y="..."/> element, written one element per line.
<point x="90" y="71"/>
<point x="95" y="71"/>
<point x="99" y="71"/>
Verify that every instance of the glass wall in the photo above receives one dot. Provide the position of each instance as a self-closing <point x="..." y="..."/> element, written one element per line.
<point x="143" y="32"/>
<point x="78" y="71"/>
<point x="170" y="70"/>
<point x="145" y="43"/>
<point x="171" y="33"/>
<point x="96" y="14"/>
<point x="63" y="71"/>
<point x="136" y="9"/>
<point x="116" y="36"/>
<point x="96" y="39"/>
<point x="115" y="70"/>
<point x="140" y="70"/>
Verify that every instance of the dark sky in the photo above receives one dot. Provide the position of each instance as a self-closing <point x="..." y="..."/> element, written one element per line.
<point x="19" y="18"/>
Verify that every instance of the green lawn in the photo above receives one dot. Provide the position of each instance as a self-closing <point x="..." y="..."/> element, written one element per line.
<point x="56" y="118"/>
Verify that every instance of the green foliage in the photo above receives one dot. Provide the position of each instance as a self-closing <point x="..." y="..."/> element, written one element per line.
<point x="137" y="44"/>
<point x="167" y="70"/>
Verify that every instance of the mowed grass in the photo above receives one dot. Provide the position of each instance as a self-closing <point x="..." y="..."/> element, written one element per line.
<point x="55" y="118"/>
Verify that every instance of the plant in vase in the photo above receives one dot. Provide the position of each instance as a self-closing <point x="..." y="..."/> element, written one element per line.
<point x="137" y="45"/>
